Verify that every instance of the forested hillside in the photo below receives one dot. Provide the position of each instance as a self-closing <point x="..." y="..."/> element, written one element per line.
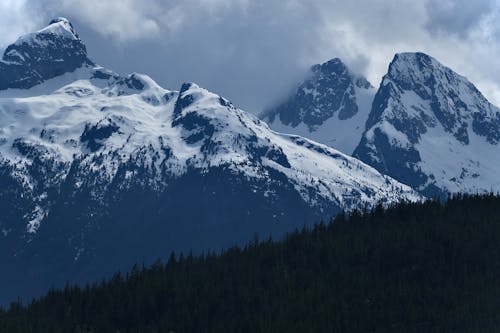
<point x="414" y="267"/>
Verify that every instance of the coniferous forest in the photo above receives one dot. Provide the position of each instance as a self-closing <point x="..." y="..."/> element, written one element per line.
<point x="413" y="267"/>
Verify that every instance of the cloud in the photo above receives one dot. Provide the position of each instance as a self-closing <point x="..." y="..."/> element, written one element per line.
<point x="457" y="16"/>
<point x="253" y="51"/>
<point x="120" y="20"/>
<point x="17" y="19"/>
<point x="464" y="36"/>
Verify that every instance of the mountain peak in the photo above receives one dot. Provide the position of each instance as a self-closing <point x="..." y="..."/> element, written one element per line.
<point x="58" y="28"/>
<point x="414" y="57"/>
<point x="431" y="128"/>
<point x="62" y="20"/>
<point x="337" y="68"/>
<point x="188" y="86"/>
<point x="61" y="26"/>
<point x="413" y="67"/>
<point x="334" y="65"/>
<point x="36" y="57"/>
<point x="322" y="103"/>
<point x="409" y="56"/>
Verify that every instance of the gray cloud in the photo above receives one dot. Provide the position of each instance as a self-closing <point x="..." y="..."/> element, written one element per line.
<point x="121" y="20"/>
<point x="253" y="51"/>
<point x="457" y="16"/>
<point x="17" y="18"/>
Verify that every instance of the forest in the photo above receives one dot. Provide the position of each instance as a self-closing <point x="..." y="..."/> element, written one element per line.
<point x="432" y="266"/>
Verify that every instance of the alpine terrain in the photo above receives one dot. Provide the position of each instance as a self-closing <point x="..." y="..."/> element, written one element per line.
<point x="426" y="126"/>
<point x="331" y="106"/>
<point x="99" y="171"/>
<point x="432" y="129"/>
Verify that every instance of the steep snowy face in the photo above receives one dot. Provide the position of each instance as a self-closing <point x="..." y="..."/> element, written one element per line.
<point x="331" y="106"/>
<point x="432" y="129"/>
<point x="37" y="57"/>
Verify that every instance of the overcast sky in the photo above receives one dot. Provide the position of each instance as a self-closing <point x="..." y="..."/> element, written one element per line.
<point x="253" y="51"/>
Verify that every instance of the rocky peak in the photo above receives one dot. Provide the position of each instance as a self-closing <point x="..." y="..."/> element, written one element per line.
<point x="333" y="66"/>
<point x="328" y="91"/>
<point x="61" y="26"/>
<point x="431" y="128"/>
<point x="442" y="96"/>
<point x="36" y="57"/>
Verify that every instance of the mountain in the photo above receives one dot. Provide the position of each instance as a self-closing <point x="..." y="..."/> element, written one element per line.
<point x="100" y="171"/>
<point x="331" y="106"/>
<point x="36" y="57"/>
<point x="432" y="129"/>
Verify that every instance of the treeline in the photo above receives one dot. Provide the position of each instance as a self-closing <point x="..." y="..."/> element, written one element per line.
<point x="414" y="267"/>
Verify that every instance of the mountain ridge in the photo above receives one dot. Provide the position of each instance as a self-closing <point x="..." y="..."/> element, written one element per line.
<point x="425" y="125"/>
<point x="424" y="111"/>
<point x="102" y="170"/>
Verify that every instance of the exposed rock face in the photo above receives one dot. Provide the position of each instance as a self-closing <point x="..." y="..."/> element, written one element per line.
<point x="432" y="129"/>
<point x="331" y="106"/>
<point x="39" y="56"/>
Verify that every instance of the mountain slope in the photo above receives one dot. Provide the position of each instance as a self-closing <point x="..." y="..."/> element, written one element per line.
<point x="331" y="106"/>
<point x="101" y="170"/>
<point x="432" y="129"/>
<point x="423" y="267"/>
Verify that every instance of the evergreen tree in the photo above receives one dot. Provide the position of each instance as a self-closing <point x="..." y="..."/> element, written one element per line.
<point x="413" y="267"/>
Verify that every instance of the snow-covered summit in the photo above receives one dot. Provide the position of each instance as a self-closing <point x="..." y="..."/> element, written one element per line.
<point x="330" y="106"/>
<point x="42" y="55"/>
<point x="431" y="128"/>
<point x="60" y="27"/>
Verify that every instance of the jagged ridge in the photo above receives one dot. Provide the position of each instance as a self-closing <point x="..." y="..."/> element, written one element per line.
<point x="432" y="129"/>
<point x="331" y="106"/>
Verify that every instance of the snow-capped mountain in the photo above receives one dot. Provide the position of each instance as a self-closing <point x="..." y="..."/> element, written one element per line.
<point x="99" y="170"/>
<point x="331" y="106"/>
<point x="432" y="129"/>
<point x="42" y="55"/>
